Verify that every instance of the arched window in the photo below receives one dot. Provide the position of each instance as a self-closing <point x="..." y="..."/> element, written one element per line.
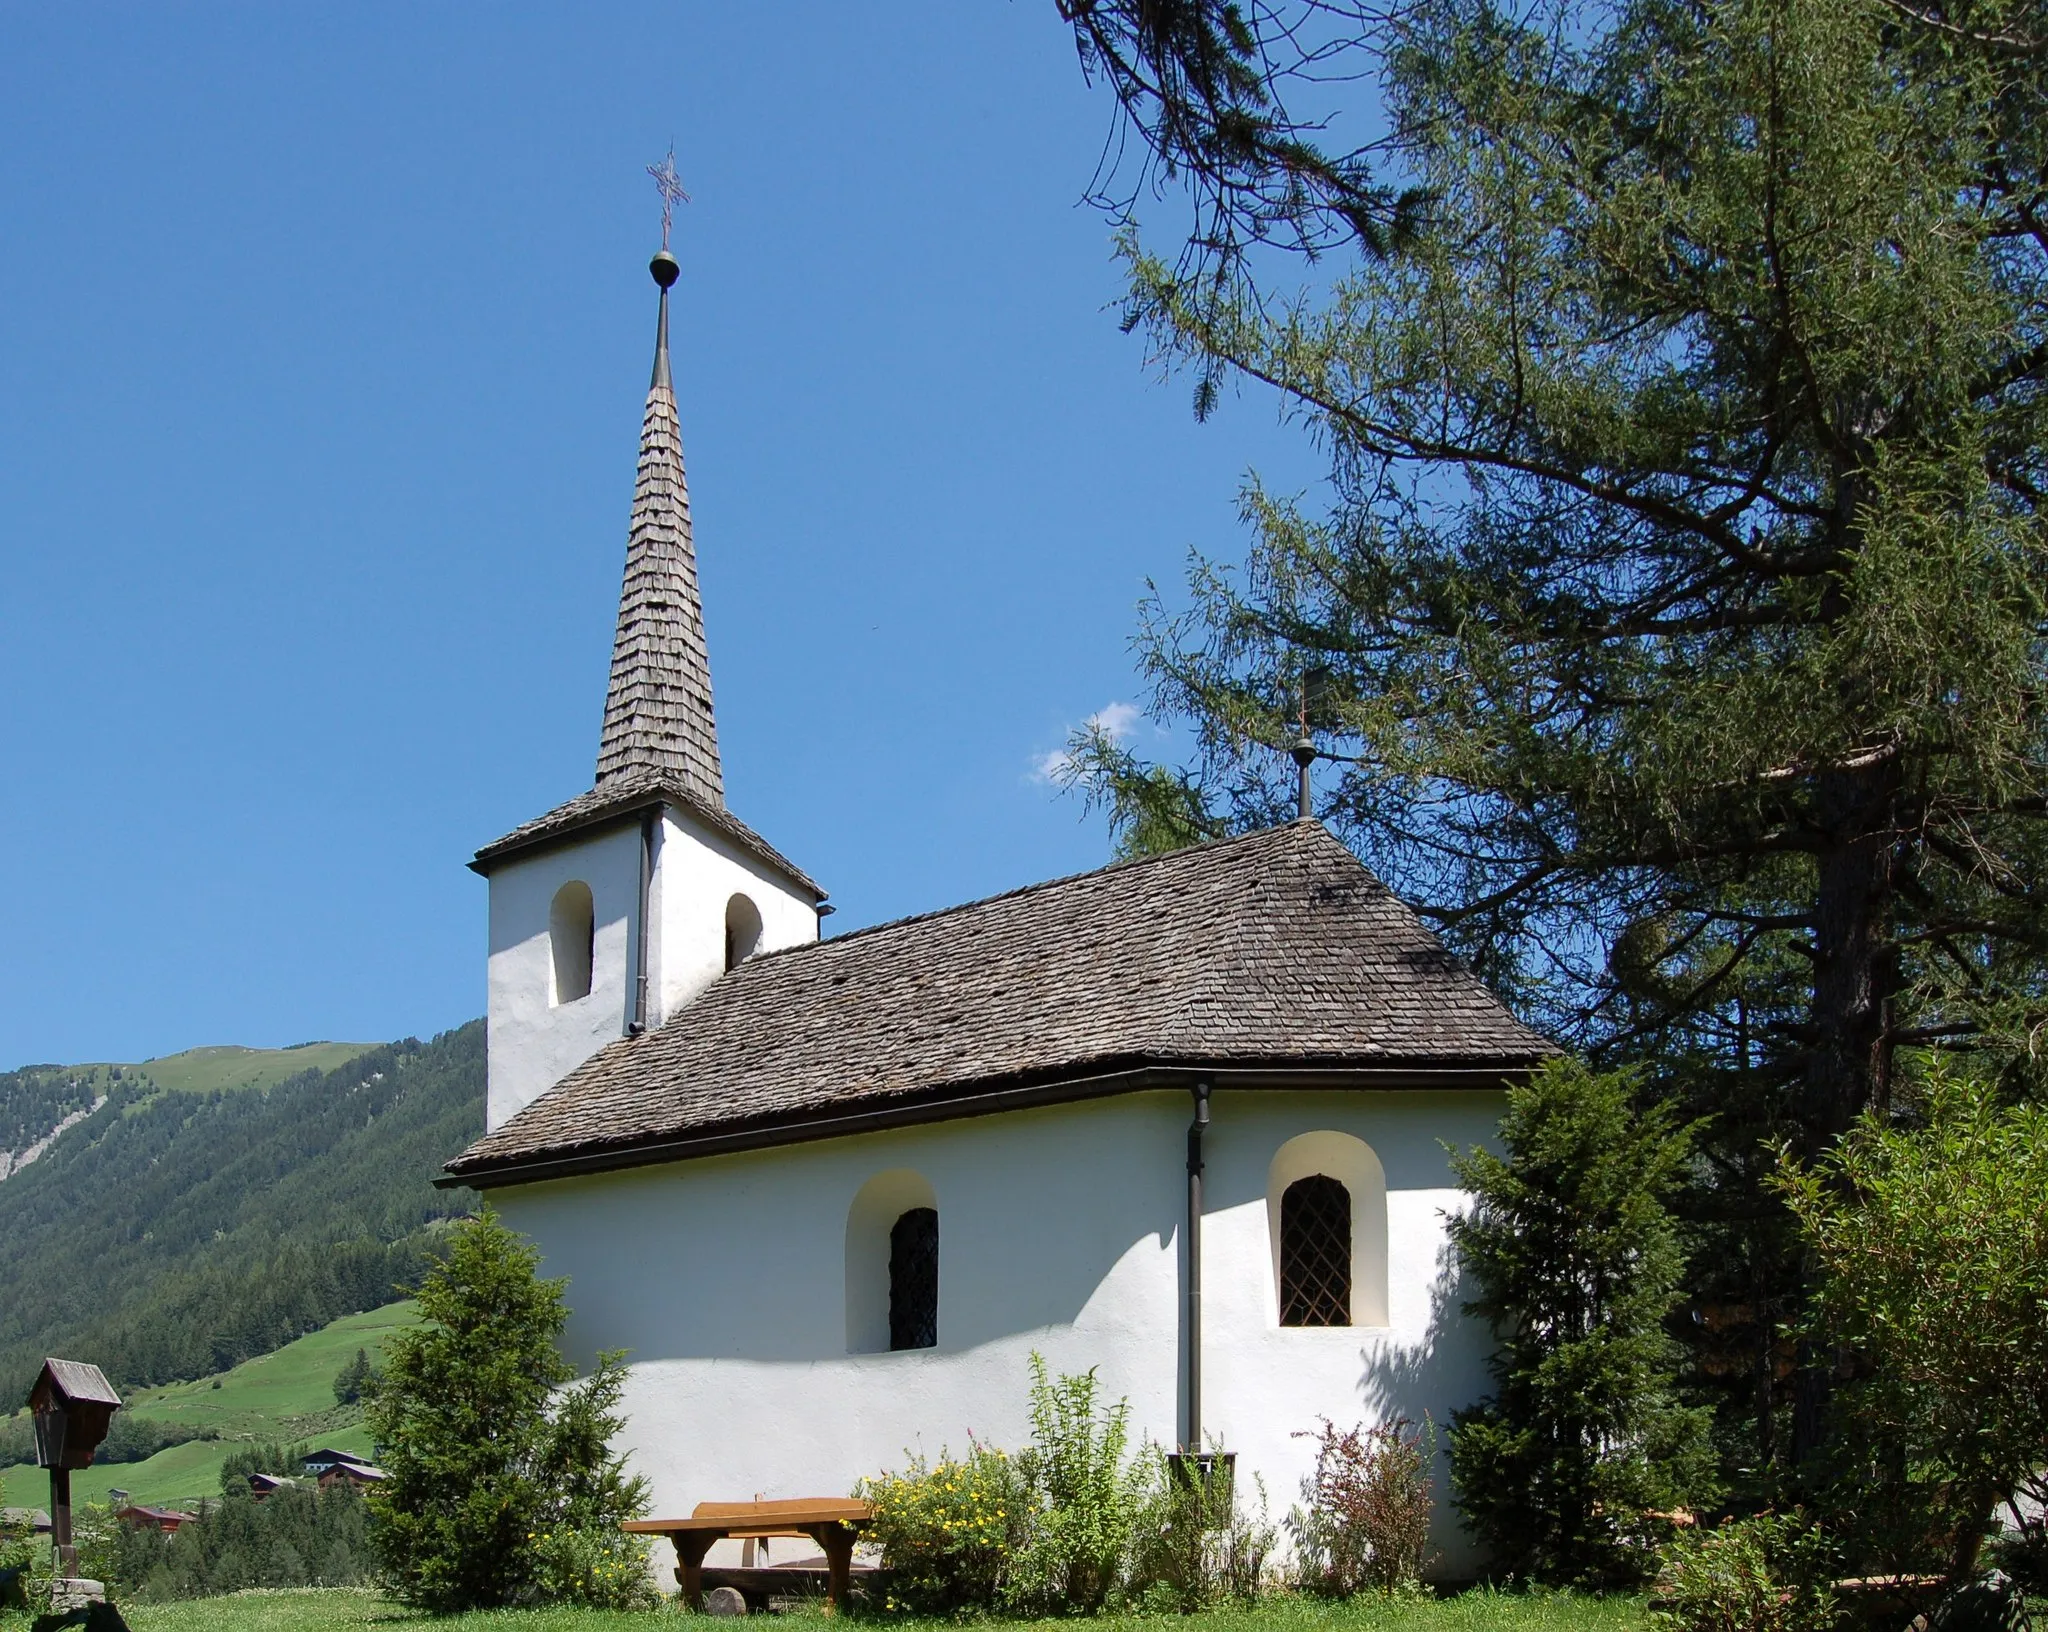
<point x="892" y="1264"/>
<point x="742" y="931"/>
<point x="914" y="1280"/>
<point x="1326" y="1209"/>
<point x="572" y="932"/>
<point x="1315" y="1252"/>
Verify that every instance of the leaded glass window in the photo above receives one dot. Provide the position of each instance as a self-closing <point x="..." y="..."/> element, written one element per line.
<point x="914" y="1280"/>
<point x="1315" y="1253"/>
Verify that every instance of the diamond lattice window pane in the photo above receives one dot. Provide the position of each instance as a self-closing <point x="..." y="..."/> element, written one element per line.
<point x="914" y="1280"/>
<point x="1315" y="1253"/>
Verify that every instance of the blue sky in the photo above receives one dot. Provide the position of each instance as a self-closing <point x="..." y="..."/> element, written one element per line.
<point x="323" y="337"/>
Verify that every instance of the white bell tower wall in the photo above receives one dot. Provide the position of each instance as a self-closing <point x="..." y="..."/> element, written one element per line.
<point x="565" y="942"/>
<point x="539" y="1029"/>
<point x="704" y="884"/>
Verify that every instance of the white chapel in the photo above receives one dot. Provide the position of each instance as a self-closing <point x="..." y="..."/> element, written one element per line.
<point x="1182" y="1119"/>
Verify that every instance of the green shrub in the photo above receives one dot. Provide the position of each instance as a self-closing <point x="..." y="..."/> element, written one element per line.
<point x="354" y="1379"/>
<point x="1364" y="1522"/>
<point x="1932" y="1245"/>
<point x="1764" y="1574"/>
<point x="1195" y="1545"/>
<point x="1083" y="1498"/>
<point x="947" y="1531"/>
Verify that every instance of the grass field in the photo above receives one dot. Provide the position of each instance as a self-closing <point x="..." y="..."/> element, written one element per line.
<point x="332" y="1611"/>
<point x="285" y="1395"/>
<point x="226" y="1066"/>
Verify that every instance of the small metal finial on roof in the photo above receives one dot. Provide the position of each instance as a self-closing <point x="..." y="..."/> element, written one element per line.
<point x="1304" y="755"/>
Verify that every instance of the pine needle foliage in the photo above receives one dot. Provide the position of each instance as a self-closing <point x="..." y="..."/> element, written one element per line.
<point x="1578" y="1262"/>
<point x="490" y="1458"/>
<point x="1672" y="621"/>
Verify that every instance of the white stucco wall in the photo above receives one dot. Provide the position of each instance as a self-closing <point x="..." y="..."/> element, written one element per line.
<point x="533" y="1040"/>
<point x="1059" y="1230"/>
<point x="697" y="872"/>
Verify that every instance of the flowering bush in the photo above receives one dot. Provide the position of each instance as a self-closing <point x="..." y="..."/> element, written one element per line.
<point x="1366" y="1518"/>
<point x="947" y="1530"/>
<point x="596" y="1566"/>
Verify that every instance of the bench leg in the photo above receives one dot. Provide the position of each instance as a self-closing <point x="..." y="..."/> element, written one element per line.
<point x="836" y="1542"/>
<point x="690" y="1550"/>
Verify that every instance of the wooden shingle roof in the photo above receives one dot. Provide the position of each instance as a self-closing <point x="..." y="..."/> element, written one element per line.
<point x="1272" y="957"/>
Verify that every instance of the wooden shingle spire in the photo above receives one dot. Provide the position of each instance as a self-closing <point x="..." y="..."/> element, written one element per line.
<point x="657" y="709"/>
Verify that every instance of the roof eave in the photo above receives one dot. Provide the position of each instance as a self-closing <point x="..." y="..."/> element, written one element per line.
<point x="947" y="1107"/>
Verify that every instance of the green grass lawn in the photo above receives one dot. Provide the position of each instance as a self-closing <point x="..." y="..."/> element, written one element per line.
<point x="332" y="1611"/>
<point x="282" y="1396"/>
<point x="226" y="1066"/>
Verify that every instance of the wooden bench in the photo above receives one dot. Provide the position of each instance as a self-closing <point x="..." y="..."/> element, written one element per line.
<point x="831" y="1522"/>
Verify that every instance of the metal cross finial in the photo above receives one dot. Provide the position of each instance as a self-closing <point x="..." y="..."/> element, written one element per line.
<point x="670" y="186"/>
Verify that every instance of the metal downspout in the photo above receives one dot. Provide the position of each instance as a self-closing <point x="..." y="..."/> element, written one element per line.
<point x="638" y="1023"/>
<point x="1196" y="1129"/>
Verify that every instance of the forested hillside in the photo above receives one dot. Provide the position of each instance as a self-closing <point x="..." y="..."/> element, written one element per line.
<point x="35" y="1101"/>
<point x="174" y="1233"/>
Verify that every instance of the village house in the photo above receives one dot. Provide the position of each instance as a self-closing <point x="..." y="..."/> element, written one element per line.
<point x="344" y="1467"/>
<point x="137" y="1516"/>
<point x="1182" y="1120"/>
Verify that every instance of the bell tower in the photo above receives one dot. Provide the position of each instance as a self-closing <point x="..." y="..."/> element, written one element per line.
<point x="612" y="911"/>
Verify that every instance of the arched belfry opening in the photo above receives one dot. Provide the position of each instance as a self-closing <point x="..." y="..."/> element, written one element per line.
<point x="572" y="938"/>
<point x="742" y="931"/>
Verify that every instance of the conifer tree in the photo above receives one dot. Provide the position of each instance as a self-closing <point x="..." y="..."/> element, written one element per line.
<point x="484" y="1450"/>
<point x="1577" y="1260"/>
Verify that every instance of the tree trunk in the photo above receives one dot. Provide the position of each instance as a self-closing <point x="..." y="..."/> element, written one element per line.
<point x="1848" y="1047"/>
